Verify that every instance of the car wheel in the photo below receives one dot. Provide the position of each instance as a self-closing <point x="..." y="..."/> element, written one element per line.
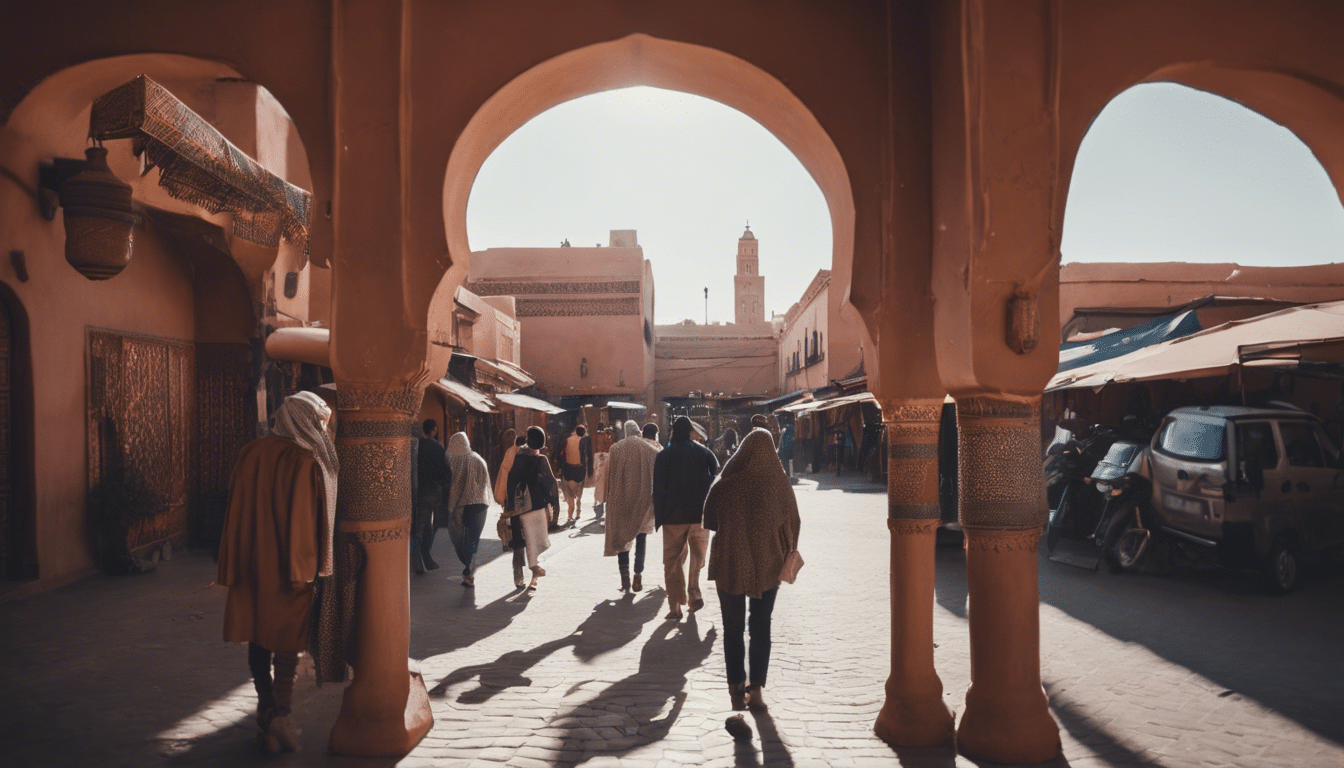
<point x="1282" y="566"/>
<point x="1125" y="544"/>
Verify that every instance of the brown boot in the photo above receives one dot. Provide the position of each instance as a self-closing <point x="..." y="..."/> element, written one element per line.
<point x="737" y="695"/>
<point x="639" y="582"/>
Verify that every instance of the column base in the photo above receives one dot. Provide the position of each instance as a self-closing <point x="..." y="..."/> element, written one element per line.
<point x="1005" y="731"/>
<point x="360" y="736"/>
<point x="917" y="721"/>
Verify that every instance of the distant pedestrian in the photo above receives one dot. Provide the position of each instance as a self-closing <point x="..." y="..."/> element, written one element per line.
<point x="682" y="474"/>
<point x="468" y="502"/>
<point x="573" y="472"/>
<point x="433" y="476"/>
<point x="754" y="513"/>
<point x="277" y="540"/>
<point x="650" y="433"/>
<point x="505" y="464"/>
<point x="602" y="442"/>
<point x="532" y="491"/>
<point x="630" y="502"/>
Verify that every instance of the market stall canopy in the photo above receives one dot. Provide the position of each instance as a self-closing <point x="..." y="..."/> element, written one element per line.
<point x="625" y="405"/>
<point x="528" y="402"/>
<point x="1118" y="343"/>
<point x="860" y="397"/>
<point x="300" y="345"/>
<point x="505" y="370"/>
<point x="1276" y="339"/>
<point x="476" y="401"/>
<point x="801" y="407"/>
<point x="198" y="165"/>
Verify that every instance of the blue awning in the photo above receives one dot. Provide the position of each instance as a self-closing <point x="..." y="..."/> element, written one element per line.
<point x="1117" y="343"/>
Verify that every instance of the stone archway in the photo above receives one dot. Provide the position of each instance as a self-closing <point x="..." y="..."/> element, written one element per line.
<point x="641" y="59"/>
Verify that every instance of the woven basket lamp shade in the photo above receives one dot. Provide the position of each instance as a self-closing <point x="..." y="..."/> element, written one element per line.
<point x="99" y="219"/>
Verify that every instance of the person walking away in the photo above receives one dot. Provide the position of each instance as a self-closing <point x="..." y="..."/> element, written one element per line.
<point x="630" y="502"/>
<point x="532" y="492"/>
<point x="754" y="515"/>
<point x="468" y="502"/>
<point x="602" y="442"/>
<point x="682" y="474"/>
<point x="433" y="477"/>
<point x="496" y="461"/>
<point x="506" y="464"/>
<point x="573" y="471"/>
<point x="277" y="540"/>
<point x="651" y="434"/>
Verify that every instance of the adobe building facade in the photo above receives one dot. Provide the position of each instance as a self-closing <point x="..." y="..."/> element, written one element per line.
<point x="942" y="135"/>
<point x="802" y="340"/>
<point x="585" y="315"/>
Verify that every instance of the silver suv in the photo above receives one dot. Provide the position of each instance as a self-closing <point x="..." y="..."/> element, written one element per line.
<point x="1261" y="487"/>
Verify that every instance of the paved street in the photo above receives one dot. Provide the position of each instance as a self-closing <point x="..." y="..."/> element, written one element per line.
<point x="1197" y="668"/>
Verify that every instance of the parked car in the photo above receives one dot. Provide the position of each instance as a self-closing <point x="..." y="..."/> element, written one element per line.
<point x="1260" y="487"/>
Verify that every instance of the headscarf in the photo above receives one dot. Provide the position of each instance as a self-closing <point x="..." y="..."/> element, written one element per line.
<point x="630" y="428"/>
<point x="471" y="478"/>
<point x="755" y="513"/>
<point x="302" y="417"/>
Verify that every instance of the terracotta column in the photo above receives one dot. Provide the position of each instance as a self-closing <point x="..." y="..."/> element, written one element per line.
<point x="1002" y="490"/>
<point x="385" y="711"/>
<point x="914" y="713"/>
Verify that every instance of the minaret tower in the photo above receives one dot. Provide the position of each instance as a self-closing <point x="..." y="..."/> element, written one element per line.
<point x="748" y="284"/>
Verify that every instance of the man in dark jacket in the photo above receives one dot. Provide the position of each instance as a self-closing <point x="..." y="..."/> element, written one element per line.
<point x="682" y="474"/>
<point x="433" y="476"/>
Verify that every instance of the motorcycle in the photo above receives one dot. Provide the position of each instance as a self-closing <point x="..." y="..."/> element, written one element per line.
<point x="1074" y="510"/>
<point x="1121" y="536"/>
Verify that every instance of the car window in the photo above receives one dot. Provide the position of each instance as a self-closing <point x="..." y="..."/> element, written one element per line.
<point x="1328" y="445"/>
<point x="1300" y="444"/>
<point x="1255" y="443"/>
<point x="1193" y="439"/>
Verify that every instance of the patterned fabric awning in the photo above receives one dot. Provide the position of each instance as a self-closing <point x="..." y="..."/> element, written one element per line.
<point x="198" y="165"/>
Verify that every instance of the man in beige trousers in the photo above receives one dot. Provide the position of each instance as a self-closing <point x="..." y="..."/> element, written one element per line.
<point x="682" y="474"/>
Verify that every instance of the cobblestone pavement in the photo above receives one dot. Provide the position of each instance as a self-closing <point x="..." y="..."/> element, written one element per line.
<point x="1196" y="668"/>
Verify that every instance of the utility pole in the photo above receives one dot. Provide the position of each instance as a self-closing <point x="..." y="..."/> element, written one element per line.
<point x="706" y="305"/>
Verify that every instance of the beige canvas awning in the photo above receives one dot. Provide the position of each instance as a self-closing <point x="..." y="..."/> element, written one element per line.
<point x="476" y="401"/>
<point x="528" y="402"/>
<point x="1278" y="338"/>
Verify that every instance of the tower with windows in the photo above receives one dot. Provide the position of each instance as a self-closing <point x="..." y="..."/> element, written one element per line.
<point x="748" y="284"/>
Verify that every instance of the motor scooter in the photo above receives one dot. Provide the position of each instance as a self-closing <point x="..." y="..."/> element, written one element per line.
<point x="1122" y="536"/>
<point x="1074" y="510"/>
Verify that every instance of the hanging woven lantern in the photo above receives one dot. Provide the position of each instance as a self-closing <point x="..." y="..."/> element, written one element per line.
<point x="99" y="219"/>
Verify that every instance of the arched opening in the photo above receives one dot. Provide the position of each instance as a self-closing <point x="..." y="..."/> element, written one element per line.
<point x="18" y="519"/>
<point x="181" y="326"/>
<point x="630" y="61"/>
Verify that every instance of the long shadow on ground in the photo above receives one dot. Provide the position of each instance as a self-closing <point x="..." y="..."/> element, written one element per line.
<point x="626" y="715"/>
<point x="612" y="624"/>
<point x="1277" y="650"/>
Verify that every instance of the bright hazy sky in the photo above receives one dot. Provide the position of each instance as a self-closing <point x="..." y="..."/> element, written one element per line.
<point x="1165" y="174"/>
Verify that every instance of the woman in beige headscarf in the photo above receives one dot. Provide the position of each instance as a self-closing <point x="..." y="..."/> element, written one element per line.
<point x="277" y="541"/>
<point x="630" y="502"/>
<point x="752" y="509"/>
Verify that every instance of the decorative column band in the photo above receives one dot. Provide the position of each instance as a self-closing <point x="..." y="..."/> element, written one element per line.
<point x="1000" y="477"/>
<point x="911" y="527"/>
<point x="981" y="540"/>
<point x="376" y="429"/>
<point x="912" y="461"/>
<point x="350" y="397"/>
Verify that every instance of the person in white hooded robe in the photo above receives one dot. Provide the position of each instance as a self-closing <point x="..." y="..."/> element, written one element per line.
<point x="468" y="501"/>
<point x="629" y="517"/>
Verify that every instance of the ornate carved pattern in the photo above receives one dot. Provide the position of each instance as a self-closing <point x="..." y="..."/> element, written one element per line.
<point x="1002" y="541"/>
<point x="382" y="534"/>
<point x="1000" y="479"/>
<point x="912" y="527"/>
<point x="523" y="288"/>
<point x="375" y="479"/>
<point x="374" y="429"/>
<point x="912" y="489"/>
<point x="141" y="419"/>
<point x="909" y="451"/>
<point x="351" y="397"/>
<point x="912" y="432"/>
<point x="911" y="412"/>
<point x="577" y="307"/>
<point x="223" y="383"/>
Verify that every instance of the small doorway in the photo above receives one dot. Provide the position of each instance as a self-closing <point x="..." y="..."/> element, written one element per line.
<point x="18" y="521"/>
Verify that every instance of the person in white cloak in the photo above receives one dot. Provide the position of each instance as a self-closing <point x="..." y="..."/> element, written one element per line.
<point x="629" y="501"/>
<point x="468" y="502"/>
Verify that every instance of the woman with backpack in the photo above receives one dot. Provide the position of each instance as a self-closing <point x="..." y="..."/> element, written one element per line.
<point x="532" y="489"/>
